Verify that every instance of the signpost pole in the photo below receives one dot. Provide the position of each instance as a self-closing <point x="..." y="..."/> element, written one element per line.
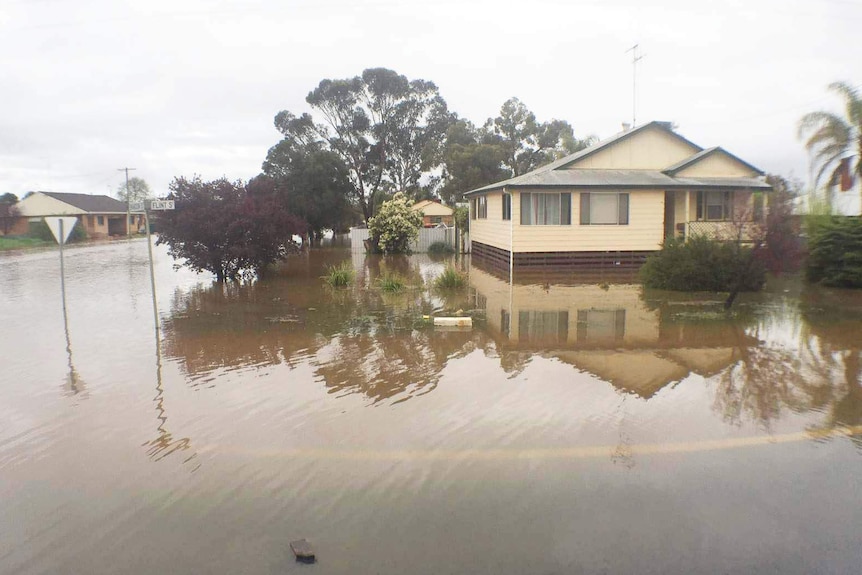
<point x="152" y="272"/>
<point x="63" y="278"/>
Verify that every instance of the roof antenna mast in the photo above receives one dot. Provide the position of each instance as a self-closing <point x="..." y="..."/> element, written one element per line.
<point x="635" y="60"/>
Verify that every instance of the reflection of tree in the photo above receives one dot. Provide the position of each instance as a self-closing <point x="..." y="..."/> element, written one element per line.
<point x="833" y="319"/>
<point x="822" y="374"/>
<point x="363" y="340"/>
<point x="385" y="365"/>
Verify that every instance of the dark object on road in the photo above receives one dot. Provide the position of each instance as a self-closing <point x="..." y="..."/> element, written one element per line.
<point x="303" y="551"/>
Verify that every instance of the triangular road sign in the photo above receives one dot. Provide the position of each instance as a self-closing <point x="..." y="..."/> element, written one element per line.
<point x="54" y="225"/>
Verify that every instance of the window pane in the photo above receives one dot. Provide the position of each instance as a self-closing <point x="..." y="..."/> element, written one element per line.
<point x="526" y="203"/>
<point x="552" y="209"/>
<point x="585" y="208"/>
<point x="603" y="208"/>
<point x="714" y="212"/>
<point x="566" y="209"/>
<point x="624" y="209"/>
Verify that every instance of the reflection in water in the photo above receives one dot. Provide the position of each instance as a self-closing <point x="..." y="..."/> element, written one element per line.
<point x="360" y="338"/>
<point x="641" y="345"/>
<point x="610" y="331"/>
<point x="576" y="401"/>
<point x="165" y="444"/>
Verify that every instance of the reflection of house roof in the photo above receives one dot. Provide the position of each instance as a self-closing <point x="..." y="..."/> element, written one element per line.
<point x="645" y="372"/>
<point x="90" y="203"/>
<point x="559" y="172"/>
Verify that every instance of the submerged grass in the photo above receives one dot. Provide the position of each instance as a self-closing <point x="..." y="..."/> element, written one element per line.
<point x="391" y="282"/>
<point x="339" y="276"/>
<point x="451" y="278"/>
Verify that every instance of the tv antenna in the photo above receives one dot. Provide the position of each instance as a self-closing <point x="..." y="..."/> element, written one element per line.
<point x="635" y="60"/>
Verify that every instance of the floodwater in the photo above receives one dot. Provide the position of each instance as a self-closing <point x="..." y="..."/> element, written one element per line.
<point x="579" y="427"/>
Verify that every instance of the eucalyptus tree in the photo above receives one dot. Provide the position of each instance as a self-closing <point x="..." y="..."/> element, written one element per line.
<point x="831" y="137"/>
<point x="527" y="143"/>
<point x="379" y="124"/>
<point x="137" y="190"/>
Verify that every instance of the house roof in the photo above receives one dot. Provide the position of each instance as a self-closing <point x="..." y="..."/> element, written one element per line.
<point x="90" y="203"/>
<point x="556" y="174"/>
<point x="690" y="161"/>
<point x="435" y="205"/>
<point x="628" y="179"/>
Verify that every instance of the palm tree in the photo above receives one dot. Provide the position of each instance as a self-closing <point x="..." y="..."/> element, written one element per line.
<point x="832" y="137"/>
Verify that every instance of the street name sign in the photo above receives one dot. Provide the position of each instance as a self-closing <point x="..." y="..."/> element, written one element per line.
<point x="162" y="205"/>
<point x="54" y="224"/>
<point x="136" y="206"/>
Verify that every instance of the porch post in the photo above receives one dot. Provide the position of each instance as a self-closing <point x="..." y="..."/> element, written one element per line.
<point x="687" y="217"/>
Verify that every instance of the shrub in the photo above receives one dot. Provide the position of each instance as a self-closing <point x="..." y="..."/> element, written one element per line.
<point x="340" y="275"/>
<point x="395" y="225"/>
<point x="450" y="279"/>
<point x="702" y="264"/>
<point x="835" y="251"/>
<point x="391" y="282"/>
<point x="440" y="248"/>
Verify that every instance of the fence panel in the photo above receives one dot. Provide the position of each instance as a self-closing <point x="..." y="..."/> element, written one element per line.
<point x="427" y="236"/>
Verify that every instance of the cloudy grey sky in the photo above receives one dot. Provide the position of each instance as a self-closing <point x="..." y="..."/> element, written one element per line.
<point x="183" y="87"/>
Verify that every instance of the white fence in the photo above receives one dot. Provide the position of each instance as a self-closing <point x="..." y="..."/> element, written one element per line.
<point x="427" y="236"/>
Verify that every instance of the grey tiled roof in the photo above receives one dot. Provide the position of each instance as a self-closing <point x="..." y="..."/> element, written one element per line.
<point x="555" y="174"/>
<point x="89" y="203"/>
<point x="645" y="179"/>
<point x="672" y="170"/>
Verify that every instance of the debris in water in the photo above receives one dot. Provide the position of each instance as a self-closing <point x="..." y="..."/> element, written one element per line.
<point x="454" y="321"/>
<point x="303" y="551"/>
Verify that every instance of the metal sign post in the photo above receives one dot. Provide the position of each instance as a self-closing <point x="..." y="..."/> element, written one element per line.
<point x="154" y="205"/>
<point x="61" y="228"/>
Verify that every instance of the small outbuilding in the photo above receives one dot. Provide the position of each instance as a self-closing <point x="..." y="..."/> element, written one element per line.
<point x="434" y="213"/>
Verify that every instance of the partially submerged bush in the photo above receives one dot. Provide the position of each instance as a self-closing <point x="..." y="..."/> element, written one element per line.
<point x="340" y="275"/>
<point x="395" y="225"/>
<point x="440" y="248"/>
<point x="702" y="264"/>
<point x="451" y="278"/>
<point x="835" y="251"/>
<point x="391" y="282"/>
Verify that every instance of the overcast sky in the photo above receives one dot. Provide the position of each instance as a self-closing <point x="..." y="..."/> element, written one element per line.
<point x="184" y="87"/>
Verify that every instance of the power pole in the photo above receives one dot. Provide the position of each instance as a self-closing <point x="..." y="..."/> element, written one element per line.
<point x="128" y="202"/>
<point x="635" y="60"/>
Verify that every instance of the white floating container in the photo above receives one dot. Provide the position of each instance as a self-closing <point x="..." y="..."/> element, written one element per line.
<point x="453" y="321"/>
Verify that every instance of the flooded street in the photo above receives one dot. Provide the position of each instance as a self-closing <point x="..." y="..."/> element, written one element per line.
<point x="579" y="427"/>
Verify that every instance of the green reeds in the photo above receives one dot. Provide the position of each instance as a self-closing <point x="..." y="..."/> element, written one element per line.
<point x="451" y="278"/>
<point x="340" y="275"/>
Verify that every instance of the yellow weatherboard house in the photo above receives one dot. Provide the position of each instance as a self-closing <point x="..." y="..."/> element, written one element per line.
<point x="614" y="202"/>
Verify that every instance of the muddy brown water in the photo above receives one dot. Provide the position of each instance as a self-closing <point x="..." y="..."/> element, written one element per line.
<point x="581" y="426"/>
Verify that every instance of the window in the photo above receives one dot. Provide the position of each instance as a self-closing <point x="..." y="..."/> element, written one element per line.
<point x="546" y="209"/>
<point x="100" y="220"/>
<point x="714" y="206"/>
<point x="543" y="326"/>
<point x="507" y="206"/>
<point x="604" y="209"/>
<point x="601" y="326"/>
<point x="479" y="209"/>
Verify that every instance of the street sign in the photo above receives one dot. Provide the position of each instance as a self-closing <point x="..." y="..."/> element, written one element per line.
<point x="54" y="224"/>
<point x="162" y="205"/>
<point x="136" y="206"/>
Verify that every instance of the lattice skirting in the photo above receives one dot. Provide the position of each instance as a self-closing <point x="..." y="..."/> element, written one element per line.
<point x="563" y="261"/>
